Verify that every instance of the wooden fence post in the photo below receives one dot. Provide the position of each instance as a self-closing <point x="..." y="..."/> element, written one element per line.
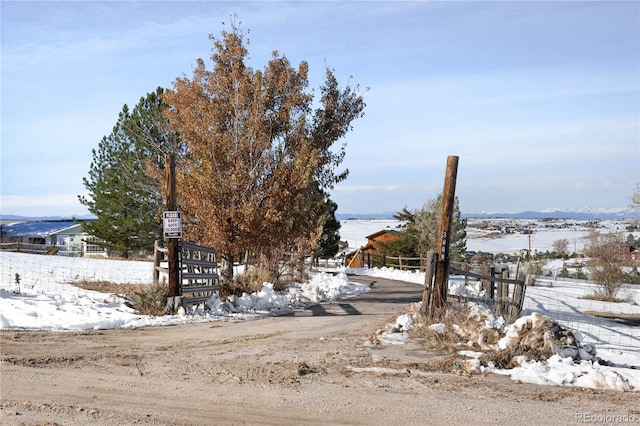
<point x="517" y="301"/>
<point x="492" y="283"/>
<point x="173" y="252"/>
<point x="484" y="270"/>
<point x="156" y="262"/>
<point x="440" y="285"/>
<point x="428" y="282"/>
<point x="504" y="291"/>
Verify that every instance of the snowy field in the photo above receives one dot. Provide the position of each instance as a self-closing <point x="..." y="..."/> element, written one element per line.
<point x="35" y="293"/>
<point x="543" y="235"/>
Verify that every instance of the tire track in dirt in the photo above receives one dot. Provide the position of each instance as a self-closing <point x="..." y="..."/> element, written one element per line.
<point x="286" y="370"/>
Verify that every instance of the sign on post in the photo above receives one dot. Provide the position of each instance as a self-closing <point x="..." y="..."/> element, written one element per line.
<point x="172" y="224"/>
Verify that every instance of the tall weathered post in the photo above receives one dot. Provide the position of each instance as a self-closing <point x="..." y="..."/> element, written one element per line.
<point x="441" y="280"/>
<point x="172" y="243"/>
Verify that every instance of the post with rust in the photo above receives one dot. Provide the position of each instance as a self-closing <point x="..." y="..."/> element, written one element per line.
<point x="172" y="243"/>
<point x="441" y="281"/>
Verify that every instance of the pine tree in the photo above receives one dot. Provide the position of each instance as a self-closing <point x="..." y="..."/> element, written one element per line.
<point x="123" y="181"/>
<point x="421" y="232"/>
<point x="257" y="152"/>
<point x="328" y="245"/>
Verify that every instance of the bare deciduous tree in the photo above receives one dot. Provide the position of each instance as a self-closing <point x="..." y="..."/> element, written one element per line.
<point x="635" y="199"/>
<point x="606" y="262"/>
<point x="561" y="247"/>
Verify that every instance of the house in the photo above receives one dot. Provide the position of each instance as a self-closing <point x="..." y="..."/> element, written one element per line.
<point x="358" y="258"/>
<point x="41" y="235"/>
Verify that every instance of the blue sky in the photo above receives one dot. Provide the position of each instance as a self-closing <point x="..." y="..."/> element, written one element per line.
<point x="540" y="100"/>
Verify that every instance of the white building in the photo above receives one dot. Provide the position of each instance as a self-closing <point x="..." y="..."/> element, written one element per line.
<point x="65" y="237"/>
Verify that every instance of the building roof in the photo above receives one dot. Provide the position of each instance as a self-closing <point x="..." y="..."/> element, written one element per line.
<point x="384" y="231"/>
<point x="40" y="228"/>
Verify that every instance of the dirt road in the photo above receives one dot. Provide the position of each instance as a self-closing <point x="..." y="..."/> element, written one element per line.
<point x="288" y="370"/>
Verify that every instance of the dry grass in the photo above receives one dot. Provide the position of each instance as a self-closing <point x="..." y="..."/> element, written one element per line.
<point x="603" y="297"/>
<point x="112" y="288"/>
<point x="470" y="333"/>
<point x="462" y="328"/>
<point x="146" y="299"/>
<point x="628" y="319"/>
<point x="151" y="300"/>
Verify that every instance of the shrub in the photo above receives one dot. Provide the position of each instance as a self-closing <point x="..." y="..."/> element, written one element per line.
<point x="607" y="262"/>
<point x="151" y="300"/>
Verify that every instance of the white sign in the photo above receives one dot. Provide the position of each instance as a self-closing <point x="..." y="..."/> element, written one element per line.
<point x="172" y="224"/>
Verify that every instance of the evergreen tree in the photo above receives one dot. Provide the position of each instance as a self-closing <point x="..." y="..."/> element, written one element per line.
<point x="328" y="245"/>
<point x="421" y="231"/>
<point x="257" y="152"/>
<point x="123" y="182"/>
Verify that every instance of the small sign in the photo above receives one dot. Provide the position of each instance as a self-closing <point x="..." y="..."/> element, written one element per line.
<point x="172" y="224"/>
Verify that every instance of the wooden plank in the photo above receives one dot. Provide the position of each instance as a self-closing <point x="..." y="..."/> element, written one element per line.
<point x="199" y="275"/>
<point x="196" y="262"/>
<point x="198" y="289"/>
<point x="428" y="282"/>
<point x="195" y="247"/>
<point x="516" y="306"/>
<point x="53" y="250"/>
<point x="454" y="271"/>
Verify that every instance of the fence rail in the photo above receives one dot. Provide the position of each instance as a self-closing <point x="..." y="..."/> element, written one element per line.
<point x="21" y="247"/>
<point x="504" y="295"/>
<point x="402" y="263"/>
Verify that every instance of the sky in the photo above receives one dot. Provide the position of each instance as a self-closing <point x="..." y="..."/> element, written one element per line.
<point x="539" y="100"/>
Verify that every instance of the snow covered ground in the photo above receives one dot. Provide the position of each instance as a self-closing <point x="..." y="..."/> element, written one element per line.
<point x="542" y="237"/>
<point x="563" y="302"/>
<point x="35" y="293"/>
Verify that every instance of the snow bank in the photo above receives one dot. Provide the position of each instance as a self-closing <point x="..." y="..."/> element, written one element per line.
<point x="44" y="298"/>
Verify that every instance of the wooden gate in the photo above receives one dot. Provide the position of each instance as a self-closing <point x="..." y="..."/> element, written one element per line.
<point x="198" y="269"/>
<point x="506" y="295"/>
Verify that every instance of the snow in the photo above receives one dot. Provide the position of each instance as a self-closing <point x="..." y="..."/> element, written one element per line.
<point x="564" y="302"/>
<point x="44" y="298"/>
<point x="36" y="293"/>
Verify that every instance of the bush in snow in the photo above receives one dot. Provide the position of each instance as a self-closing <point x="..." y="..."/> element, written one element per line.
<point x="536" y="338"/>
<point x="151" y="300"/>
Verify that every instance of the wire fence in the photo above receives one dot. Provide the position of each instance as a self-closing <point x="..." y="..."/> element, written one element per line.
<point x="22" y="271"/>
<point x="561" y="300"/>
<point x="565" y="302"/>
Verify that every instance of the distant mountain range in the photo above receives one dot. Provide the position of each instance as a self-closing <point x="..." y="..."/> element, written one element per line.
<point x="557" y="214"/>
<point x="550" y="214"/>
